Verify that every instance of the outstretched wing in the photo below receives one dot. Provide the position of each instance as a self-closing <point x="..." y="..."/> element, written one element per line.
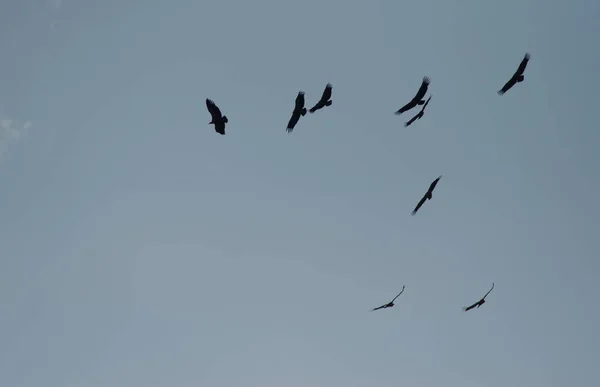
<point x="432" y="186"/>
<point x="379" y="307"/>
<point x="468" y="308"/>
<point x="422" y="90"/>
<point x="523" y="64"/>
<point x="488" y="292"/>
<point x="419" y="205"/>
<point x="213" y="109"/>
<point x="220" y="127"/>
<point x="318" y="105"/>
<point x="405" y="108"/>
<point x="426" y="103"/>
<point x="507" y="86"/>
<point x="293" y="121"/>
<point x="399" y="293"/>
<point x="300" y="101"/>
<point x="406" y="124"/>
<point x="326" y="93"/>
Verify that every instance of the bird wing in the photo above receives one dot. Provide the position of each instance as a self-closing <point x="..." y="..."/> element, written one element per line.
<point x="523" y="64"/>
<point x="214" y="110"/>
<point x="426" y="103"/>
<point x="488" y="292"/>
<point x="406" y="107"/>
<point x="468" y="308"/>
<point x="412" y="120"/>
<point x="300" y="101"/>
<point x="326" y="93"/>
<point x="399" y="293"/>
<point x="432" y="186"/>
<point x="507" y="86"/>
<point x="293" y="121"/>
<point x="379" y="307"/>
<point x="318" y="105"/>
<point x="419" y="205"/>
<point x="422" y="90"/>
<point x="220" y="127"/>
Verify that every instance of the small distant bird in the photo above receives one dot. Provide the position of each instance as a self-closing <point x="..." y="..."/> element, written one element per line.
<point x="218" y="119"/>
<point x="419" y="115"/>
<point x="418" y="98"/>
<point x="325" y="99"/>
<point x="389" y="304"/>
<point x="299" y="110"/>
<point x="480" y="302"/>
<point x="517" y="76"/>
<point x="428" y="195"/>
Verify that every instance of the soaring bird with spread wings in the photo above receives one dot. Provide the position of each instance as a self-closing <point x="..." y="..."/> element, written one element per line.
<point x="218" y="119"/>
<point x="517" y="76"/>
<point x="480" y="302"/>
<point x="419" y="115"/>
<point x="418" y="98"/>
<point x="389" y="304"/>
<point x="299" y="110"/>
<point x="428" y="195"/>
<point x="325" y="99"/>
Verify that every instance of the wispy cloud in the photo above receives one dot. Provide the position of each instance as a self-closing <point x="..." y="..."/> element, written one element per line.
<point x="10" y="132"/>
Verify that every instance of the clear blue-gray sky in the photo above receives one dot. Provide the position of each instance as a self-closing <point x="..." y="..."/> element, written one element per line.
<point x="141" y="249"/>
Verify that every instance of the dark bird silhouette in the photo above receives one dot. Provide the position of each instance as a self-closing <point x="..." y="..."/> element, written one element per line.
<point x="517" y="76"/>
<point x="428" y="194"/>
<point x="419" y="115"/>
<point x="325" y="99"/>
<point x="218" y="119"/>
<point x="299" y="110"/>
<point x="480" y="302"/>
<point x="389" y="304"/>
<point x="418" y="98"/>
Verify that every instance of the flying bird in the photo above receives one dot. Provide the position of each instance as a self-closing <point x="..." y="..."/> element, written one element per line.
<point x="480" y="302"/>
<point x="418" y="98"/>
<point x="419" y="115"/>
<point x="218" y="119"/>
<point x="389" y="304"/>
<point x="325" y="99"/>
<point x="299" y="110"/>
<point x="517" y="76"/>
<point x="428" y="195"/>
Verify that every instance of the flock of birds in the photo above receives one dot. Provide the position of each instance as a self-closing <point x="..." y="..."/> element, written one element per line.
<point x="219" y="121"/>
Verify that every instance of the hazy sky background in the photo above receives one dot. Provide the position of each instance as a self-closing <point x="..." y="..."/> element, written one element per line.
<point x="139" y="248"/>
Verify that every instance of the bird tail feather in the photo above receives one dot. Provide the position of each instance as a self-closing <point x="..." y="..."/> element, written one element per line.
<point x="225" y="120"/>
<point x="328" y="103"/>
